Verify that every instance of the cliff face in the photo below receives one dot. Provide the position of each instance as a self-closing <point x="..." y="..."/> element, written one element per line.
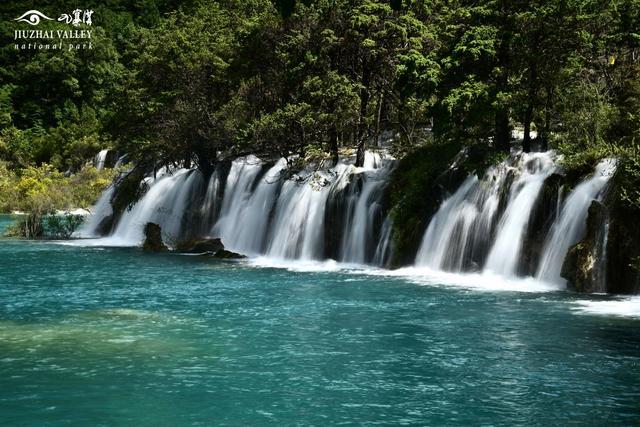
<point x="607" y="259"/>
<point x="585" y="266"/>
<point x="623" y="245"/>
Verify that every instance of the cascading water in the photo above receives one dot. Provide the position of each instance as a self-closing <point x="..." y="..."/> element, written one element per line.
<point x="483" y="225"/>
<point x="505" y="254"/>
<point x="256" y="210"/>
<point x="102" y="210"/>
<point x="100" y="159"/>
<point x="570" y="227"/>
<point x="164" y="203"/>
<point x="460" y="233"/>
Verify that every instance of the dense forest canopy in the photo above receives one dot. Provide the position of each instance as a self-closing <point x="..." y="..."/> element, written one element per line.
<point x="196" y="82"/>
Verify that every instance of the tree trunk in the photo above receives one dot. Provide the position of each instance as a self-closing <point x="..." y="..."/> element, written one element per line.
<point x="187" y="160"/>
<point x="502" y="134"/>
<point x="532" y="94"/>
<point x="502" y="129"/>
<point x="362" y="124"/>
<point x="378" y="115"/>
<point x="544" y="136"/>
<point x="333" y="145"/>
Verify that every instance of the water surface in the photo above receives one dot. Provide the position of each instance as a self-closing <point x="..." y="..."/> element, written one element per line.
<point x="115" y="337"/>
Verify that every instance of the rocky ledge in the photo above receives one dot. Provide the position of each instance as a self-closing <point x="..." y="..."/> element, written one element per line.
<point x="209" y="247"/>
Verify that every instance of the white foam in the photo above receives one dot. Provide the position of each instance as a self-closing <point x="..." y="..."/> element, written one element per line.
<point x="621" y="307"/>
<point x="476" y="281"/>
<point x="297" y="265"/>
<point x="418" y="275"/>
<point x="112" y="241"/>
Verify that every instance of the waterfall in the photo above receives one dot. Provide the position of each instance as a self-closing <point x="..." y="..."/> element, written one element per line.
<point x="257" y="209"/>
<point x="242" y="218"/>
<point x="90" y="228"/>
<point x="264" y="208"/>
<point x="100" y="159"/>
<point x="358" y="230"/>
<point x="164" y="203"/>
<point x="570" y="227"/>
<point x="505" y="254"/>
<point x="484" y="224"/>
<point x="442" y="246"/>
<point x="460" y="233"/>
<point x="384" y="247"/>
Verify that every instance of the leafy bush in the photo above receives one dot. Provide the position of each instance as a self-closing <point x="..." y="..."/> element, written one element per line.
<point x="42" y="191"/>
<point x="61" y="226"/>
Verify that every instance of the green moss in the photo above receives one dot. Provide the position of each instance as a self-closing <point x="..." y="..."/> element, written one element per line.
<point x="412" y="195"/>
<point x="579" y="163"/>
<point x="422" y="180"/>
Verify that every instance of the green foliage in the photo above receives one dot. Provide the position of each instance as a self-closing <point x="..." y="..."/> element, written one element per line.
<point x="41" y="191"/>
<point x="201" y="82"/>
<point x="61" y="226"/>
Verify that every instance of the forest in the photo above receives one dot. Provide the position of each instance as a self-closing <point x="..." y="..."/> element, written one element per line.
<point x="199" y="82"/>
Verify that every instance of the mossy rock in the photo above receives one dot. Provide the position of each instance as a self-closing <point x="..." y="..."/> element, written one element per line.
<point x="153" y="238"/>
<point x="421" y="182"/>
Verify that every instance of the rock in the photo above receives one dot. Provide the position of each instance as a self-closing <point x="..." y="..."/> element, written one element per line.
<point x="209" y="247"/>
<point x="200" y="246"/>
<point x="542" y="218"/>
<point x="581" y="267"/>
<point x="578" y="267"/>
<point x="225" y="254"/>
<point x="153" y="238"/>
<point x="623" y="250"/>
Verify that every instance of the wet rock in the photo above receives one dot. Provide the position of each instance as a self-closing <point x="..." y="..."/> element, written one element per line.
<point x="623" y="249"/>
<point x="544" y="213"/>
<point x="153" y="238"/>
<point x="225" y="254"/>
<point x="583" y="267"/>
<point x="578" y="266"/>
<point x="200" y="246"/>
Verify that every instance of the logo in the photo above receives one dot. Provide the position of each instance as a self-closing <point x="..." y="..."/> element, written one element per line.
<point x="32" y="17"/>
<point x="75" y="18"/>
<point x="70" y="39"/>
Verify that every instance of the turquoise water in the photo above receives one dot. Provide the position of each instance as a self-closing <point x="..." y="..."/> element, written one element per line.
<point x="115" y="337"/>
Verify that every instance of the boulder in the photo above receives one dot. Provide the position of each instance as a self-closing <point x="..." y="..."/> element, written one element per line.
<point x="578" y="266"/>
<point x="153" y="238"/>
<point x="209" y="247"/>
<point x="200" y="246"/>
<point x="584" y="266"/>
<point x="225" y="254"/>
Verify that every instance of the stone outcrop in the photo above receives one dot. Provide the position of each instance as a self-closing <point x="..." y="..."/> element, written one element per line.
<point x="623" y="249"/>
<point x="225" y="254"/>
<point x="200" y="246"/>
<point x="587" y="264"/>
<point x="153" y="238"/>
<point x="542" y="218"/>
<point x="210" y="247"/>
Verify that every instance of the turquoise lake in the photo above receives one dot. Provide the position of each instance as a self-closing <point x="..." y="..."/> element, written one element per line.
<point x="115" y="337"/>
